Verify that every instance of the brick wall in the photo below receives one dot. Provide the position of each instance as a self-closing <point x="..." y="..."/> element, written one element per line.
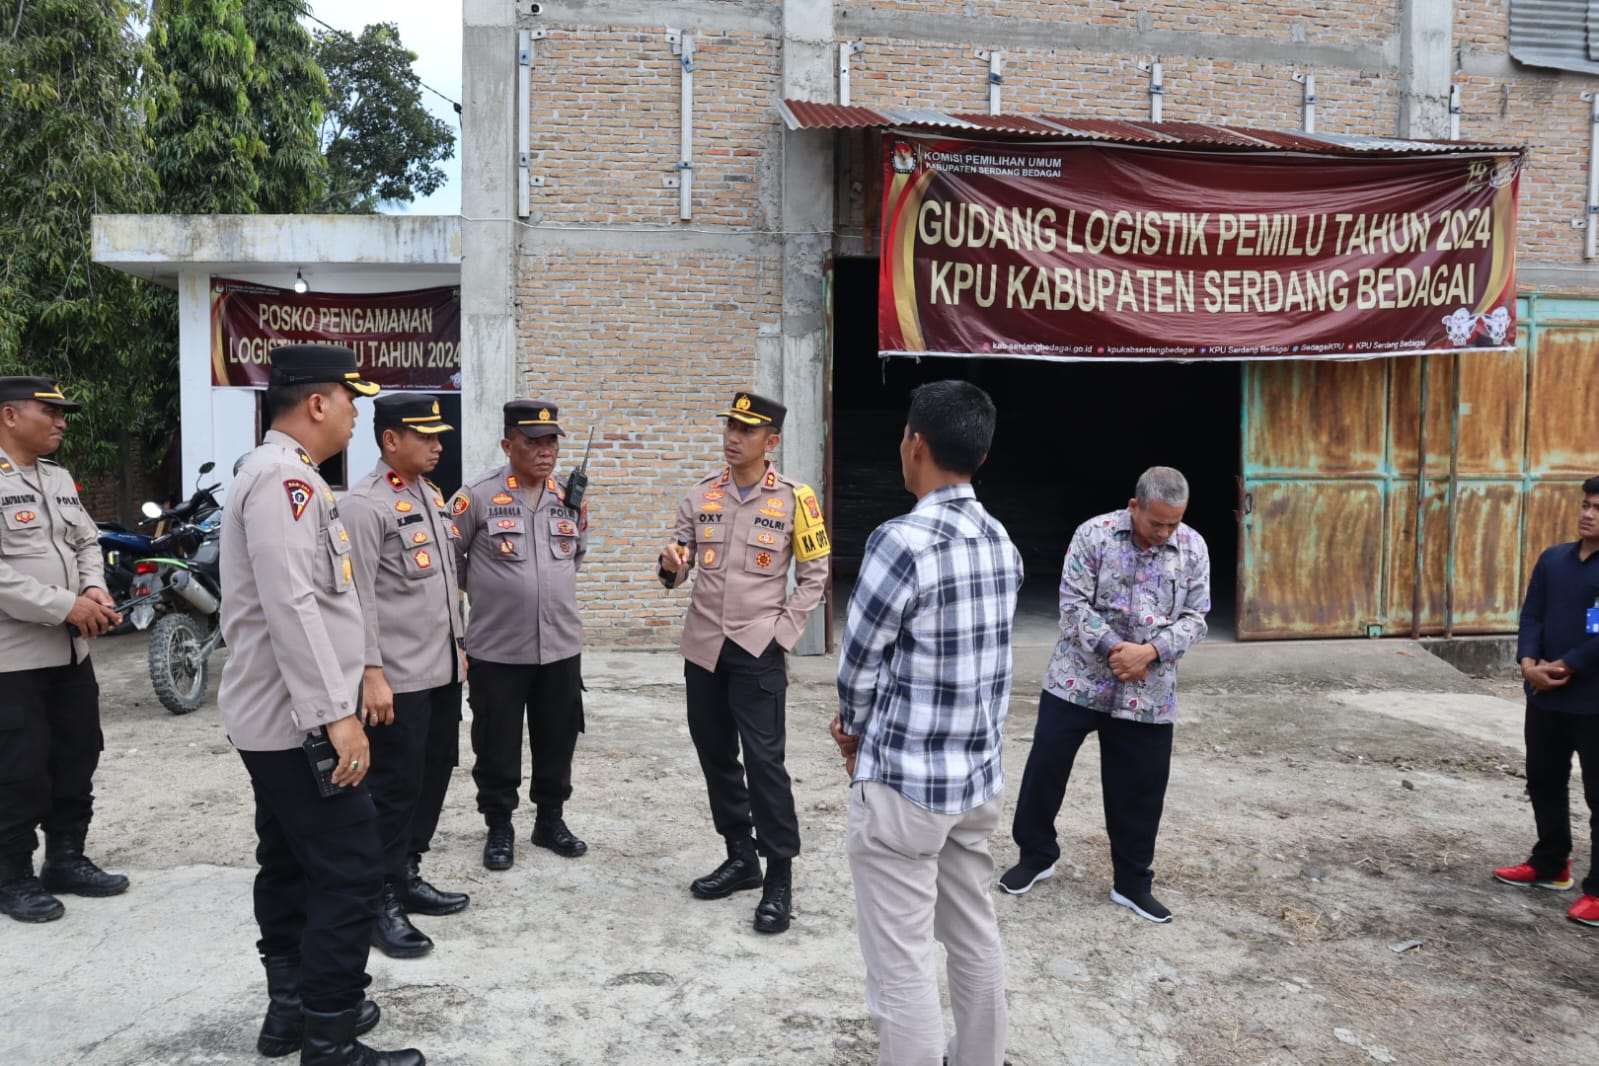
<point x="646" y="342"/>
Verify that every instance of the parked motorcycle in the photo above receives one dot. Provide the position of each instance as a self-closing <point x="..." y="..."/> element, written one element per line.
<point x="126" y="552"/>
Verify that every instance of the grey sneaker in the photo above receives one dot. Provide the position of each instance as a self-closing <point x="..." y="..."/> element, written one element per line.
<point x="1019" y="878"/>
<point x="1142" y="904"/>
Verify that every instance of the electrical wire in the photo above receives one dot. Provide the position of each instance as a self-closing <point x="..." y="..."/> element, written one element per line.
<point x="303" y="9"/>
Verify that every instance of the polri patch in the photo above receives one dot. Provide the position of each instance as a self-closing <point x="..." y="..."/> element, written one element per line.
<point x="300" y="496"/>
<point x="459" y="503"/>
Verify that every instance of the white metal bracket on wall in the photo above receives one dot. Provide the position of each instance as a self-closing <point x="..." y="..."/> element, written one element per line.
<point x="996" y="75"/>
<point x="1589" y="222"/>
<point x="1157" y="88"/>
<point x="683" y="47"/>
<point x="1308" y="106"/>
<point x="524" y="120"/>
<point x="847" y="50"/>
<point x="1454" y="112"/>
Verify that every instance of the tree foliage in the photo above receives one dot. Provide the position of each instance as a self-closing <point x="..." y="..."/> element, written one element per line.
<point x="286" y="101"/>
<point x="381" y="144"/>
<point x="75" y="85"/>
<point x="207" y="143"/>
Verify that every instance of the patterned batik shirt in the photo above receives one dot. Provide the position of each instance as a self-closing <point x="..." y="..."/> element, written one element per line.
<point x="1112" y="591"/>
<point x="924" y="676"/>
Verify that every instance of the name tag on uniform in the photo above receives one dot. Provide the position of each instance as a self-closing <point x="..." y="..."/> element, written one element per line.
<point x="1593" y="620"/>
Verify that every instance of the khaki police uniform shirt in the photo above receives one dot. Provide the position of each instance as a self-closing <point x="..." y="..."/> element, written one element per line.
<point x="290" y="611"/>
<point x="519" y="561"/>
<point x="49" y="556"/>
<point x="403" y="548"/>
<point x="741" y="550"/>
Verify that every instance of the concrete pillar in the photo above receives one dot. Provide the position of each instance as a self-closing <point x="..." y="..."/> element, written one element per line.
<point x="1426" y="57"/>
<point x="806" y="213"/>
<point x="489" y="370"/>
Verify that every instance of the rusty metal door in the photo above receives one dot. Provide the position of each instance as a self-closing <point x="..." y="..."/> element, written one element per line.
<point x="1328" y="542"/>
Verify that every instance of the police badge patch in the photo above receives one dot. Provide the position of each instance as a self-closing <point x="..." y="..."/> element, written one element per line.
<point x="300" y="496"/>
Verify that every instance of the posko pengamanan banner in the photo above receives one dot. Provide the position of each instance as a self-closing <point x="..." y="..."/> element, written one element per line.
<point x="1067" y="252"/>
<point x="402" y="340"/>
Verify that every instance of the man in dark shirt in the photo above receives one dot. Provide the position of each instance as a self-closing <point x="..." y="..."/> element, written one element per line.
<point x="1559" y="652"/>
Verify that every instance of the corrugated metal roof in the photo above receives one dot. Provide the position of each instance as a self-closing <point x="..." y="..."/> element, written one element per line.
<point x="807" y="115"/>
<point x="1555" y="33"/>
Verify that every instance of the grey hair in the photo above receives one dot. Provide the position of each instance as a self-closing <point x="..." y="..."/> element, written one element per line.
<point x="1162" y="484"/>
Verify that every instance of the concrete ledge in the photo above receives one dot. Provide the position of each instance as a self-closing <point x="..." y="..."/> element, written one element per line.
<point x="1491" y="656"/>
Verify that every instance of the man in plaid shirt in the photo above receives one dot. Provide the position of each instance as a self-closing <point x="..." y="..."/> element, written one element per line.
<point x="924" y="679"/>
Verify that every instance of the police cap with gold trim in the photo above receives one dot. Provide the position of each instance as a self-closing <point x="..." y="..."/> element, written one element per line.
<point x="535" y="418"/>
<point x="310" y="364"/>
<point x="42" y="389"/>
<point x="753" y="409"/>
<point x="409" y="410"/>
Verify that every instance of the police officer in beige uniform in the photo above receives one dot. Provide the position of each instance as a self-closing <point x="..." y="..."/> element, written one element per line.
<point x="741" y="528"/>
<point x="401" y="542"/>
<point x="51" y="577"/>
<point x="521" y="548"/>
<point x="291" y="616"/>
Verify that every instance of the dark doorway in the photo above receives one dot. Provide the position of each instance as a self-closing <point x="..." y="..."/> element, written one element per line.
<point x="1071" y="441"/>
<point x="447" y="475"/>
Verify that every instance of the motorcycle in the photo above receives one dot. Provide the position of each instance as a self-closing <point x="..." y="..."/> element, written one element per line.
<point x="126" y="553"/>
<point x="183" y="598"/>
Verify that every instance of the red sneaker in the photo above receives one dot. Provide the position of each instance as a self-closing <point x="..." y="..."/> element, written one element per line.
<point x="1524" y="876"/>
<point x="1585" y="910"/>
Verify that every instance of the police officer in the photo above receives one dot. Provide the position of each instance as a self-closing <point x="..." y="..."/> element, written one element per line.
<point x="400" y="536"/>
<point x="51" y="579"/>
<point x="521" y="549"/>
<point x="292" y="617"/>
<point x="741" y="528"/>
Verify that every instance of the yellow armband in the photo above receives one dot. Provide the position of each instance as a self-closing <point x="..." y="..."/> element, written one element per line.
<point x="810" y="535"/>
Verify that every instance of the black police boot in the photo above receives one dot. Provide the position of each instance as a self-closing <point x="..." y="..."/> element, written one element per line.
<point x="777" y="897"/>
<point x="67" y="869"/>
<point x="21" y="895"/>
<point x="283" y="1028"/>
<point x="420" y="897"/>
<point x="499" y="851"/>
<point x="742" y="870"/>
<point x="330" y="1041"/>
<point x="550" y="831"/>
<point x="392" y="933"/>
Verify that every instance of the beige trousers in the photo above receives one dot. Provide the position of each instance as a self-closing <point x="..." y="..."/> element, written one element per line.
<point x="921" y="876"/>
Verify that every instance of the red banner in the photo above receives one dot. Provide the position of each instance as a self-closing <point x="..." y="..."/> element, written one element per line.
<point x="1068" y="252"/>
<point x="402" y="340"/>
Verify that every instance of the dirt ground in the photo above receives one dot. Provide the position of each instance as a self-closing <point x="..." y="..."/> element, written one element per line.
<point x="1331" y="804"/>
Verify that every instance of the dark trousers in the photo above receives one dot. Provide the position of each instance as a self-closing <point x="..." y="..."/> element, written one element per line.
<point x="1134" y="764"/>
<point x="321" y="872"/>
<point x="411" y="762"/>
<point x="743" y="701"/>
<point x="50" y="744"/>
<point x="1552" y="738"/>
<point x="550" y="697"/>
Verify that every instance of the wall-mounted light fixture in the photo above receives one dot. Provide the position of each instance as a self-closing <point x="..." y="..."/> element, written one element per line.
<point x="301" y="286"/>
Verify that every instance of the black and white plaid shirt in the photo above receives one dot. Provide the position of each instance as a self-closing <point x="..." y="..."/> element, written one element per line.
<point x="924" y="676"/>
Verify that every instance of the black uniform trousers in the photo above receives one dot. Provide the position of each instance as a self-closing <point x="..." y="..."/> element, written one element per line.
<point x="50" y="744"/>
<point x="1134" y="765"/>
<point x="550" y="698"/>
<point x="743" y="701"/>
<point x="320" y="876"/>
<point x="412" y="758"/>
<point x="1552" y="738"/>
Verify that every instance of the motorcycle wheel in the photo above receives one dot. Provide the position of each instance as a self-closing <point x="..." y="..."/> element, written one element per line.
<point x="177" y="670"/>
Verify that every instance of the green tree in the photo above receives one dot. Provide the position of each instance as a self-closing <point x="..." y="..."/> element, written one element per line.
<point x="75" y="87"/>
<point x="286" y="103"/>
<point x="207" y="142"/>
<point x="381" y="144"/>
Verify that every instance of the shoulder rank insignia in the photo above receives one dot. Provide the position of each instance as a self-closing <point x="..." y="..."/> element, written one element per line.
<point x="5" y="466"/>
<point x="459" y="503"/>
<point x="727" y="474"/>
<point x="810" y="534"/>
<point x="438" y="501"/>
<point x="304" y="458"/>
<point x="300" y="496"/>
<point x="423" y="559"/>
<point x="771" y="479"/>
<point x="455" y="531"/>
<point x="344" y="535"/>
<point x="512" y="484"/>
<point x="549" y="484"/>
<point x="402" y="505"/>
<point x="502" y="498"/>
<point x="349" y="571"/>
<point x="396" y="482"/>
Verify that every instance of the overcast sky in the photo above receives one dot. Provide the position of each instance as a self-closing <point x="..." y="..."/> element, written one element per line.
<point x="431" y="29"/>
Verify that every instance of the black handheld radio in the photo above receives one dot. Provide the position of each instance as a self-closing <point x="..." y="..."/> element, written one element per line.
<point x="577" y="483"/>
